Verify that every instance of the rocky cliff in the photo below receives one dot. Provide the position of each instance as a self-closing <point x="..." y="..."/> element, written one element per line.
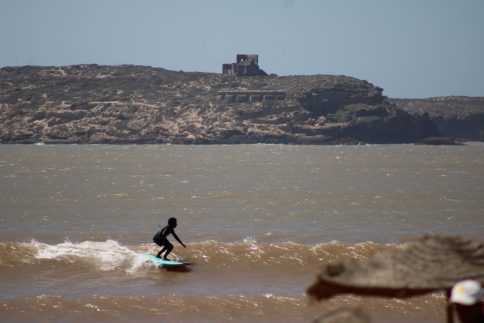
<point x="137" y="104"/>
<point x="457" y="117"/>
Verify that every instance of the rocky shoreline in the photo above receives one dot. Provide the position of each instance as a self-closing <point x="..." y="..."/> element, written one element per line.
<point x="458" y="117"/>
<point x="138" y="104"/>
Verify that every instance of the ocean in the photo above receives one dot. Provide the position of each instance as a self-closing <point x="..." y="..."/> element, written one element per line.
<point x="259" y="221"/>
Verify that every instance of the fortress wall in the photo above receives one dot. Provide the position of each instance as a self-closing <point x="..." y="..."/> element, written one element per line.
<point x="252" y="96"/>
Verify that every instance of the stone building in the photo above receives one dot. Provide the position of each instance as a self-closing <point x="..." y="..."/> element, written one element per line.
<point x="245" y="65"/>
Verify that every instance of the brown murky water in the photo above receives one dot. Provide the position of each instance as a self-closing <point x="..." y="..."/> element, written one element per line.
<point x="258" y="220"/>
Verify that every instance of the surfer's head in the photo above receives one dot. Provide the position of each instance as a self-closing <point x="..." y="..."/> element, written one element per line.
<point x="172" y="222"/>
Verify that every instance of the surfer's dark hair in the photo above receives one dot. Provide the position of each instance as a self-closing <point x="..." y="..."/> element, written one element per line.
<point x="171" y="220"/>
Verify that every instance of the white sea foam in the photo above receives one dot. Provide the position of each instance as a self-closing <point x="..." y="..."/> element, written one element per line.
<point x="107" y="255"/>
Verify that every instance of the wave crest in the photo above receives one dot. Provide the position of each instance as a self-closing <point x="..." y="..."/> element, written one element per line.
<point x="111" y="255"/>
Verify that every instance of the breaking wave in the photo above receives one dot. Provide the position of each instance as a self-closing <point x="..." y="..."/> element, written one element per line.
<point x="111" y="255"/>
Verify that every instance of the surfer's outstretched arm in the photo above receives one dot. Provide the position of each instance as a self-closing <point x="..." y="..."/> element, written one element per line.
<point x="178" y="239"/>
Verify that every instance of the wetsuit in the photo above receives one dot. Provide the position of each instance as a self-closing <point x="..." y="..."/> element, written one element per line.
<point x="161" y="240"/>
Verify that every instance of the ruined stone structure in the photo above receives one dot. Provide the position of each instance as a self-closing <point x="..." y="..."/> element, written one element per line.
<point x="246" y="65"/>
<point x="251" y="96"/>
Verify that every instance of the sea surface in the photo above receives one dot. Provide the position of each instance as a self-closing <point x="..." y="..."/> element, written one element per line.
<point x="259" y="221"/>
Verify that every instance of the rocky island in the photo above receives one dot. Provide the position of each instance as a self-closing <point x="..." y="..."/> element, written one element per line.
<point x="140" y="104"/>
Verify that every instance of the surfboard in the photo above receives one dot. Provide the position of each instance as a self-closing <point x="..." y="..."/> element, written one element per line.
<point x="164" y="262"/>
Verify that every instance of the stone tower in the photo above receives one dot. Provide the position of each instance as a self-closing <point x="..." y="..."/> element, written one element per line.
<point x="246" y="65"/>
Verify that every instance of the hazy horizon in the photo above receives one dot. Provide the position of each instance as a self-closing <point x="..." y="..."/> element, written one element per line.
<point x="411" y="49"/>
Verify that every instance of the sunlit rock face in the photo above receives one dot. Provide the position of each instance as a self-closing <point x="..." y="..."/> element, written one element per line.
<point x="139" y="104"/>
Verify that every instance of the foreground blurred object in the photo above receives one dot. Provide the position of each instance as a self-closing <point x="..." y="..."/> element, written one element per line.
<point x="345" y="315"/>
<point x="466" y="301"/>
<point x="430" y="264"/>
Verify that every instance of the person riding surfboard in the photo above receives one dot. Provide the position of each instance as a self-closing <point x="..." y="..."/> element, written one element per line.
<point x="160" y="238"/>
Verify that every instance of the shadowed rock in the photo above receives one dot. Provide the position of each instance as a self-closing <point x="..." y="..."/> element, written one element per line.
<point x="432" y="263"/>
<point x="457" y="117"/>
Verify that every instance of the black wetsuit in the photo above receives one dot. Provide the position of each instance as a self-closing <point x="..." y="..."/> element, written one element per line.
<point x="161" y="240"/>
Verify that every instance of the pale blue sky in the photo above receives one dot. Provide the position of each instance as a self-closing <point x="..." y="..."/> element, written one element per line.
<point x="411" y="48"/>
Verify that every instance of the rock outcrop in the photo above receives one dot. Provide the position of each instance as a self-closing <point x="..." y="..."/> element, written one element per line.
<point x="137" y="104"/>
<point x="457" y="117"/>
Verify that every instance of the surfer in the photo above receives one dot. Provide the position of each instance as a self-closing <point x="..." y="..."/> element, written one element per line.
<point x="161" y="240"/>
